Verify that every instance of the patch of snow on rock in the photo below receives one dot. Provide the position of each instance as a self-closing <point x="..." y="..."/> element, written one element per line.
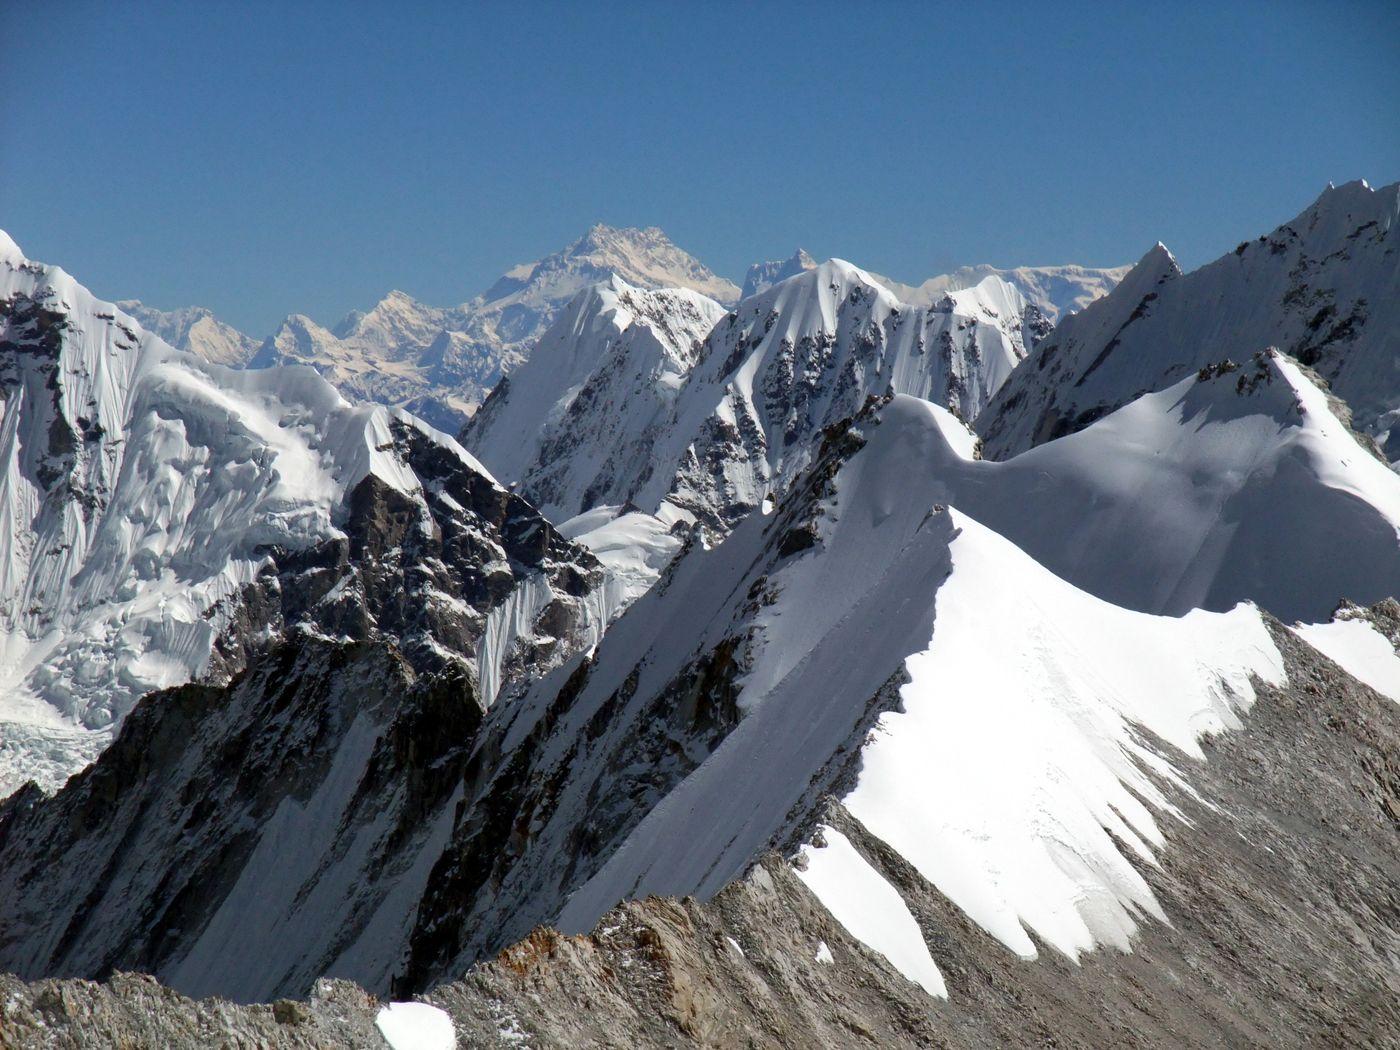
<point x="1359" y="649"/>
<point x="416" y="1026"/>
<point x="872" y="910"/>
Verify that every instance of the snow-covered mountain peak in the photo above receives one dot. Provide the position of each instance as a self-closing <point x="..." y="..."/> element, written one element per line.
<point x="194" y="328"/>
<point x="810" y="300"/>
<point x="762" y="275"/>
<point x="872" y="552"/>
<point x="9" y="250"/>
<point x="1055" y="291"/>
<point x="1159" y="259"/>
<point x="613" y="360"/>
<point x="396" y="326"/>
<point x="729" y="423"/>
<point x="146" y="491"/>
<point x="1156" y="266"/>
<point x="297" y="337"/>
<point x="441" y="362"/>
<point x="993" y="294"/>
<point x="1350" y="200"/>
<point x="646" y="258"/>
<point x="1324" y="288"/>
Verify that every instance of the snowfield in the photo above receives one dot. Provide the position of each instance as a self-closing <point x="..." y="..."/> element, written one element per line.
<point x="416" y="1026"/>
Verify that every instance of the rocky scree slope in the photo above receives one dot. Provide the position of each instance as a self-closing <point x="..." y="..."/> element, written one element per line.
<point x="1323" y="288"/>
<point x="162" y="518"/>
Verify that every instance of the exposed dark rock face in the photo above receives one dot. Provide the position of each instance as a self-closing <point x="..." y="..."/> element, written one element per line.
<point x="425" y="573"/>
<point x="219" y="816"/>
<point x="250" y="834"/>
<point x="31" y="340"/>
<point x="563" y="776"/>
<point x="1280" y="884"/>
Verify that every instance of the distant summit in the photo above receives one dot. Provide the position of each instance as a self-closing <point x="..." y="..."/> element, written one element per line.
<point x="644" y="258"/>
<point x="194" y="328"/>
<point x="1056" y="291"/>
<point x="763" y="275"/>
<point x="440" y="363"/>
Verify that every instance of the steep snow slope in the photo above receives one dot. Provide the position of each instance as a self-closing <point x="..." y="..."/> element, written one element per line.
<point x="1233" y="485"/>
<point x="440" y="363"/>
<point x="729" y="700"/>
<point x="1323" y="288"/>
<point x="144" y="491"/>
<point x="990" y="752"/>
<point x="1056" y="291"/>
<point x="194" y="328"/>
<point x="745" y="416"/>
<point x="399" y="833"/>
<point x="634" y="347"/>
<point x="1364" y="642"/>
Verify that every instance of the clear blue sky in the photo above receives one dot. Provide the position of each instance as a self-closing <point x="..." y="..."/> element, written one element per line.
<point x="262" y="159"/>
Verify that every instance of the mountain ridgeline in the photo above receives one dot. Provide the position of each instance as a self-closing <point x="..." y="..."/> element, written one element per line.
<point x="1011" y="658"/>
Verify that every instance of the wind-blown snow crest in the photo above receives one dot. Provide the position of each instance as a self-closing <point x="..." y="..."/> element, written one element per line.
<point x="1323" y="288"/>
<point x="1008" y="766"/>
<point x="1237" y="483"/>
<point x="1002" y="770"/>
